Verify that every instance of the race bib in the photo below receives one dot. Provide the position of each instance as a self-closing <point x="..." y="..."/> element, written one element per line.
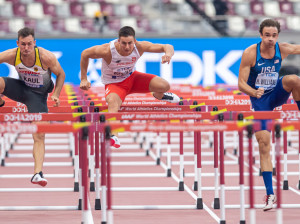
<point x="266" y="80"/>
<point x="121" y="72"/>
<point x="32" y="80"/>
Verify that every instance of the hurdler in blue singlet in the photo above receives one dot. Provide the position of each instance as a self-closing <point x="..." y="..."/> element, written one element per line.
<point x="265" y="74"/>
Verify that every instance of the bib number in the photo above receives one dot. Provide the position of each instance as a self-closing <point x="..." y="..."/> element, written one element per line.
<point x="266" y="80"/>
<point x="32" y="80"/>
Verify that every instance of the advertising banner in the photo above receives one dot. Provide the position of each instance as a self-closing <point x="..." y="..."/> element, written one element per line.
<point x="197" y="61"/>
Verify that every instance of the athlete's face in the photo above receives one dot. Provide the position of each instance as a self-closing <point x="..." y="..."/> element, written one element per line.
<point x="126" y="45"/>
<point x="269" y="36"/>
<point x="26" y="45"/>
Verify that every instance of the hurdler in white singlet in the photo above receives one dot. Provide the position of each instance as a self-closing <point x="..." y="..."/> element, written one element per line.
<point x="121" y="67"/>
<point x="35" y="76"/>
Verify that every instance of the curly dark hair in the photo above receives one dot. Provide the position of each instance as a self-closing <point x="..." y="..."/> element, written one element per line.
<point x="269" y="23"/>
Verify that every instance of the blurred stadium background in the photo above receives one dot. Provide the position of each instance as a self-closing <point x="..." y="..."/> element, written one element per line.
<point x="209" y="36"/>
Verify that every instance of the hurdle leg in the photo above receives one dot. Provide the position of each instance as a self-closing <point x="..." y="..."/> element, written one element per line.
<point x="169" y="160"/>
<point x="299" y="159"/>
<point x="158" y="148"/>
<point x="86" y="212"/>
<point x="72" y="147"/>
<point x="285" y="179"/>
<point x="251" y="182"/>
<point x="242" y="186"/>
<point x="181" y="168"/>
<point x="108" y="164"/>
<point x="92" y="161"/>
<point x="222" y="177"/>
<point x="199" y="174"/>
<point x="76" y="163"/>
<point x="216" y="204"/>
<point x="2" y="152"/>
<point x="103" y="177"/>
<point x="279" y="217"/>
<point x="195" y="186"/>
<point x="97" y="170"/>
<point x="273" y="153"/>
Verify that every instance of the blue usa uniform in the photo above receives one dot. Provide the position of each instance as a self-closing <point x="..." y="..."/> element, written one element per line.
<point x="265" y="74"/>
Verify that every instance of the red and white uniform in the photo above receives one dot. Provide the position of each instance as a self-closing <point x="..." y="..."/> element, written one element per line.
<point x="121" y="67"/>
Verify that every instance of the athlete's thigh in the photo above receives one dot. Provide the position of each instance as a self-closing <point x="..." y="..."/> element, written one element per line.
<point x="117" y="89"/>
<point x="36" y="102"/>
<point x="279" y="95"/>
<point x="2" y="85"/>
<point x="15" y="89"/>
<point x="141" y="82"/>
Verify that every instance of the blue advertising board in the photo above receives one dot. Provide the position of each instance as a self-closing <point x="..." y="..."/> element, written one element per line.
<point x="197" y="61"/>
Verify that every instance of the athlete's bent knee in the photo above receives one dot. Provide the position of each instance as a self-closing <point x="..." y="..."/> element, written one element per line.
<point x="39" y="137"/>
<point x="2" y="85"/>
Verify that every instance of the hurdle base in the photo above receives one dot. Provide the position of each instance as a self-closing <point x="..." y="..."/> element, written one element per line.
<point x="76" y="187"/>
<point x="242" y="222"/>
<point x="235" y="152"/>
<point x="299" y="185"/>
<point x="141" y="145"/>
<point x="6" y="154"/>
<point x="181" y="186"/>
<point x="97" y="204"/>
<point x="2" y="162"/>
<point x="147" y="152"/>
<point x="80" y="204"/>
<point x="92" y="186"/>
<point x="260" y="173"/>
<point x="216" y="203"/>
<point x="195" y="186"/>
<point x="169" y="173"/>
<point x="158" y="161"/>
<point x="103" y="222"/>
<point x="199" y="203"/>
<point x="285" y="185"/>
<point x="222" y="222"/>
<point x="151" y="145"/>
<point x="274" y="171"/>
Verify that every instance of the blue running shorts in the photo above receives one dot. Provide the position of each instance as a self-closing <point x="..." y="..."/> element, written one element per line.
<point x="270" y="100"/>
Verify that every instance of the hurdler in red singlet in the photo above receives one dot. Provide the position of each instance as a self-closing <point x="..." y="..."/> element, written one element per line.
<point x="118" y="70"/>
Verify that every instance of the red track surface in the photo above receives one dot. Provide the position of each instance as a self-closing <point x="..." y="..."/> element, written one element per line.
<point x="139" y="197"/>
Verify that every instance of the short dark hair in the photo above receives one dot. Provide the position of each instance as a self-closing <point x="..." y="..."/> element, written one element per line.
<point x="25" y="32"/>
<point x="269" y="23"/>
<point x="126" y="31"/>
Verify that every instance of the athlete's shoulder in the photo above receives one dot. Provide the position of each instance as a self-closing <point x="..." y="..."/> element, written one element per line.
<point x="46" y="55"/>
<point x="47" y="58"/>
<point x="8" y="56"/>
<point x="249" y="56"/>
<point x="251" y="49"/>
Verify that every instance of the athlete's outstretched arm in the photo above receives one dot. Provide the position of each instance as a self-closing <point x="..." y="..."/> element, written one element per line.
<point x="52" y="63"/>
<point x="98" y="51"/>
<point x="147" y="46"/>
<point x="287" y="49"/>
<point x="8" y="56"/>
<point x="244" y="72"/>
